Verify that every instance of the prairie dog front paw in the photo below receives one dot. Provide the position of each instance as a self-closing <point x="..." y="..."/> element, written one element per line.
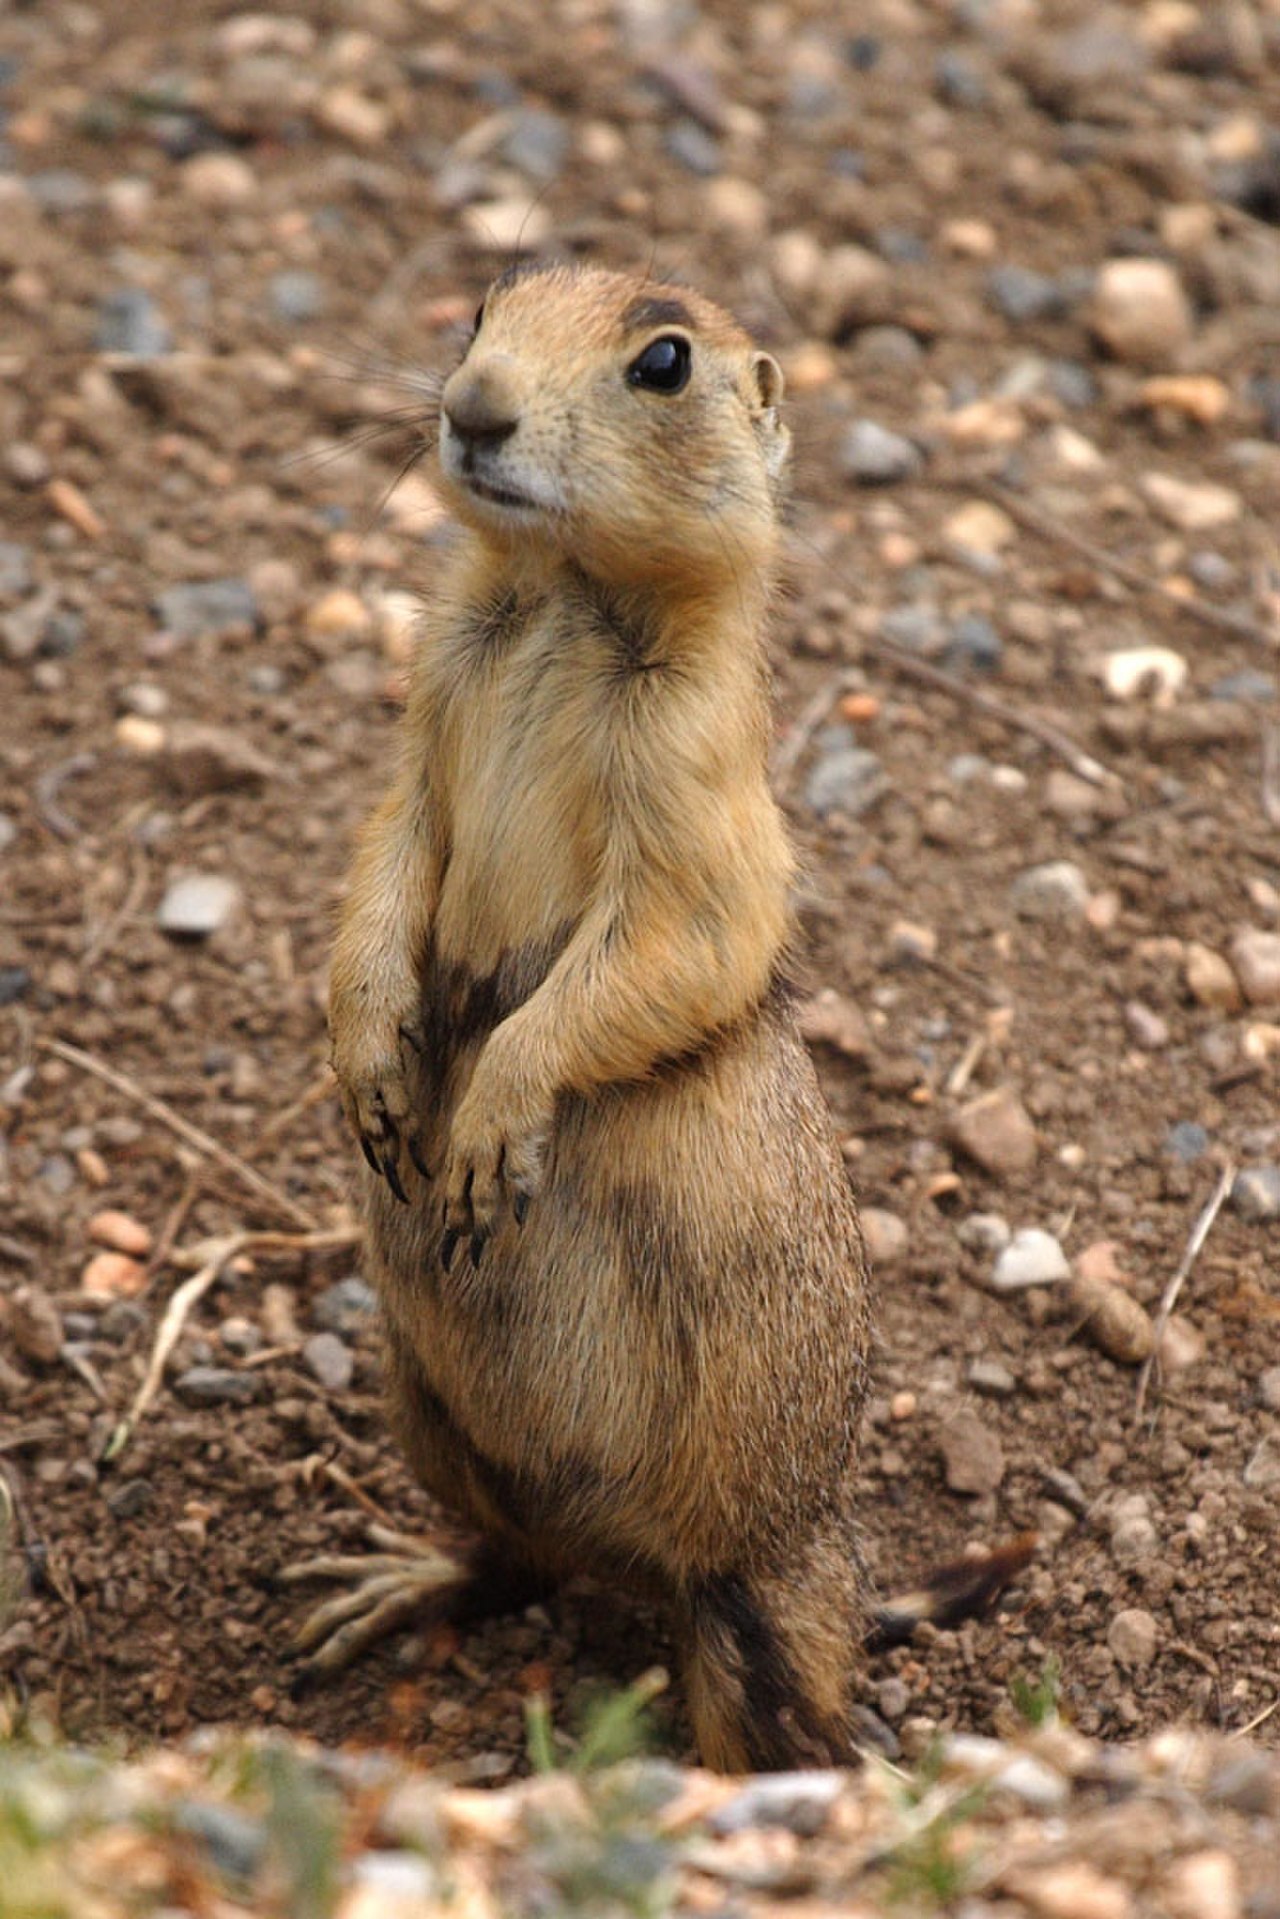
<point x="373" y="1073"/>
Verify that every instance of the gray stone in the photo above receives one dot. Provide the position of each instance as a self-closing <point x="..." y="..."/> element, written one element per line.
<point x="235" y="1842"/>
<point x="537" y="142"/>
<point x="129" y="1499"/>
<point x="1032" y="1258"/>
<point x="1186" y="1141"/>
<point x="1056" y="892"/>
<point x="16" y="579"/>
<point x="973" y="641"/>
<point x="893" y="1699"/>
<point x="972" y="1456"/>
<point x="917" y="629"/>
<point x="329" y="1360"/>
<point x="15" y="984"/>
<point x="1248" y="685"/>
<point x="845" y="779"/>
<point x="957" y="81"/>
<point x="989" y="1377"/>
<point x="57" y="190"/>
<point x="874" y="455"/>
<point x="196" y="906"/>
<point x="1262" y="1471"/>
<point x="217" y="1386"/>
<point x="297" y="295"/>
<point x="1255" y="1193"/>
<point x="887" y="346"/>
<point x="130" y="322"/>
<point x="693" y="147"/>
<point x="1072" y="383"/>
<point x="345" y="1306"/>
<point x="799" y="1802"/>
<point x="205" y="606"/>
<point x="1023" y="296"/>
<point x="984" y="1232"/>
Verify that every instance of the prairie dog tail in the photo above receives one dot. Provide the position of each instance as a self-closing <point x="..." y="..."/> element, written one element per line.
<point x="961" y="1589"/>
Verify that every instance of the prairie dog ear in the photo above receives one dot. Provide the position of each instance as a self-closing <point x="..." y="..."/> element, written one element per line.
<point x="769" y="380"/>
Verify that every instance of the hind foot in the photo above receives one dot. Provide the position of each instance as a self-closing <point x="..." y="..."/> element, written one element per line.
<point x="407" y="1579"/>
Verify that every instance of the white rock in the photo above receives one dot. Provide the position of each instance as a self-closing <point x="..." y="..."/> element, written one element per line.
<point x="886" y="1236"/>
<point x="1262" y="1473"/>
<point x="1032" y="1258"/>
<point x="1146" y="672"/>
<point x="197" y="905"/>
<point x="1192" y="506"/>
<point x="219" y="179"/>
<point x="1140" y="312"/>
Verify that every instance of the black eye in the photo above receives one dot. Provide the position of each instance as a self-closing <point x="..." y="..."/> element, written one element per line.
<point x="664" y="366"/>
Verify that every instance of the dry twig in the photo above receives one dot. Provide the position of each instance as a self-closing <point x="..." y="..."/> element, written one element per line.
<point x="1168" y="1299"/>
<point x="203" y="1142"/>
<point x="1220" y="619"/>
<point x="214" y="1256"/>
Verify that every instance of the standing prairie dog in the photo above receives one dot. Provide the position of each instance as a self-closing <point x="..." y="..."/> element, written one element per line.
<point x="621" y="1267"/>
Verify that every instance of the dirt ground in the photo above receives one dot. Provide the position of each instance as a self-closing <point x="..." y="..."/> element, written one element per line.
<point x="228" y="246"/>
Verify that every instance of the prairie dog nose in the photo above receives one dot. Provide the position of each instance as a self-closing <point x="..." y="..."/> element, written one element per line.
<point x="482" y="405"/>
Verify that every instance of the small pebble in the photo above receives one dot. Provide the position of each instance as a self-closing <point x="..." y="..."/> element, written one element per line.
<point x="798" y="1802"/>
<point x="120" y="1232"/>
<point x="886" y="1235"/>
<point x="919" y="629"/>
<point x="1210" y="979"/>
<point x="195" y="907"/>
<point x="346" y="1306"/>
<point x="1255" y="959"/>
<point x="113" y="1275"/>
<point x="217" y="1386"/>
<point x="1186" y="1142"/>
<point x="989" y="1377"/>
<point x="1147" y="1028"/>
<point x="1262" y="1471"/>
<point x="984" y="1232"/>
<point x="129" y="322"/>
<point x="845" y="779"/>
<point x="1023" y="296"/>
<point x="205" y="606"/>
<point x="874" y="455"/>
<point x="1202" y="1885"/>
<point x="997" y="1132"/>
<point x="1140" y="312"/>
<point x="34" y="1324"/>
<point x="1269" y="1388"/>
<point x="329" y="1360"/>
<point x="297" y="296"/>
<point x="1144" y="672"/>
<point x="1114" y="1320"/>
<point x="1056" y="893"/>
<point x="219" y="180"/>
<point x="1255" y="1193"/>
<point x="1032" y="1258"/>
<point x="16" y="578"/>
<point x="1193" y="506"/>
<point x="972" y="1456"/>
<point x="1133" y="1636"/>
<point x="973" y="641"/>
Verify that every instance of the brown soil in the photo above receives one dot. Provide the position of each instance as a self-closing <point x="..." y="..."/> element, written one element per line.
<point x="148" y="1606"/>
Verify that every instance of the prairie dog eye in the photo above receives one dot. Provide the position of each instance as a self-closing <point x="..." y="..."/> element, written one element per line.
<point x="664" y="365"/>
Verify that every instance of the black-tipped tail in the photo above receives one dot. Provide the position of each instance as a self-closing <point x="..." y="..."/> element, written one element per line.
<point x="962" y="1589"/>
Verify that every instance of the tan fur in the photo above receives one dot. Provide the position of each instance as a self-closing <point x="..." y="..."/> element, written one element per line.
<point x="557" y="975"/>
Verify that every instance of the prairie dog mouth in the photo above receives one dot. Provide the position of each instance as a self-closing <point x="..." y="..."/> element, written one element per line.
<point x="499" y="495"/>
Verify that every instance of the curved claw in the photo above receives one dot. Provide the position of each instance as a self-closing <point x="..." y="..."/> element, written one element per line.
<point x="415" y="1154"/>
<point x="448" y="1247"/>
<point x="366" y="1147"/>
<point x="520" y="1205"/>
<point x="391" y="1174"/>
<point x="477" y="1248"/>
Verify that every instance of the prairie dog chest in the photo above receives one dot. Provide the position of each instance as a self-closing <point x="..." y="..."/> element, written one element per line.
<point x="525" y="704"/>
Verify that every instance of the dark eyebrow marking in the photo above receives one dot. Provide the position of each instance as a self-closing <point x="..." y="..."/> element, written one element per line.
<point x="645" y="313"/>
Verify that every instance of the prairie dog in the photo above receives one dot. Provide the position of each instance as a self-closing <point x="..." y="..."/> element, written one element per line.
<point x="620" y="1262"/>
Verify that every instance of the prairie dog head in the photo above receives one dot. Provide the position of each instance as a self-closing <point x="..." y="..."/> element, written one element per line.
<point x="627" y="427"/>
